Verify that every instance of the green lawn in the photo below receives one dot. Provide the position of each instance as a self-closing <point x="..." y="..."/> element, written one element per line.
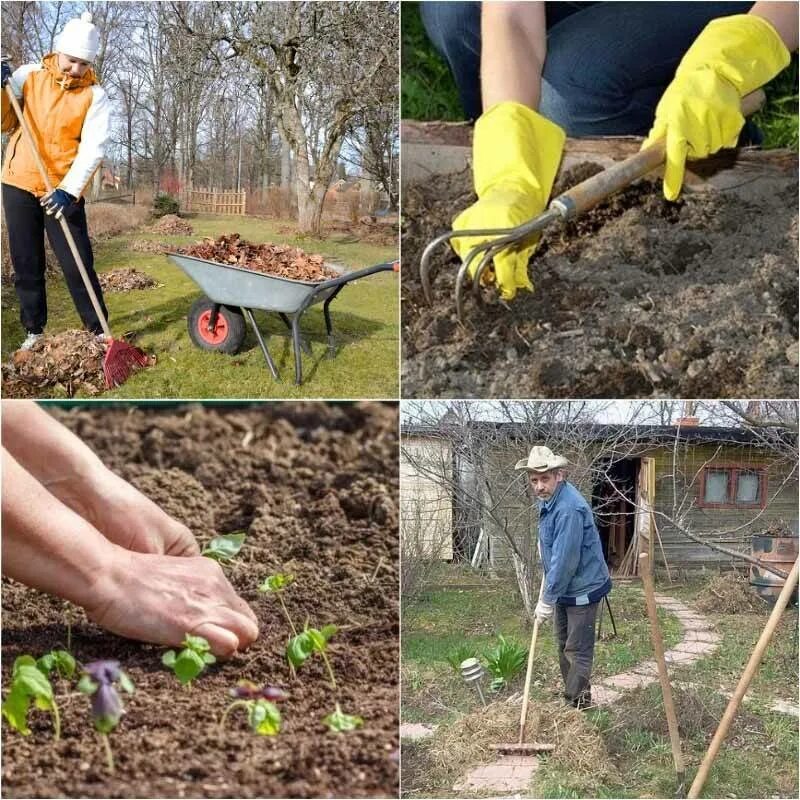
<point x="429" y="92"/>
<point x="758" y="759"/>
<point x="365" y="323"/>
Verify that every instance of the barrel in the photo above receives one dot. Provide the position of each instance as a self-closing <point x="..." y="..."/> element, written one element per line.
<point x="779" y="551"/>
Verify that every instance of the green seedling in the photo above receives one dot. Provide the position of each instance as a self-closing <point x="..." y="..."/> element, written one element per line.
<point x="505" y="661"/>
<point x="191" y="661"/>
<point x="59" y="660"/>
<point x="309" y="641"/>
<point x="275" y="584"/>
<point x="263" y="715"/>
<point x="225" y="547"/>
<point x="338" y="721"/>
<point x="98" y="681"/>
<point x="29" y="684"/>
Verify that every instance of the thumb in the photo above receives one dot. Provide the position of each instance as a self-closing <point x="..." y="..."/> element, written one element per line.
<point x="223" y="643"/>
<point x="676" y="151"/>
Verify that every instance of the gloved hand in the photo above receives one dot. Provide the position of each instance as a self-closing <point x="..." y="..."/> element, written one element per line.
<point x="543" y="612"/>
<point x="6" y="72"/>
<point x="699" y="113"/>
<point x="57" y="202"/>
<point x="516" y="153"/>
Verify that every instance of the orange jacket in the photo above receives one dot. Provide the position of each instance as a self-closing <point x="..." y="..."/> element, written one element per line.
<point x="70" y="121"/>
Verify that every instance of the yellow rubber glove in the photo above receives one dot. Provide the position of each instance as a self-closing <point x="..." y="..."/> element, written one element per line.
<point x="699" y="113"/>
<point x="516" y="153"/>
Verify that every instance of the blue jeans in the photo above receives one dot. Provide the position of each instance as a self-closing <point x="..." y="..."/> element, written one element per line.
<point x="607" y="64"/>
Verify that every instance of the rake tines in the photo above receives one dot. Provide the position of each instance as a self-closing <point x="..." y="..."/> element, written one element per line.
<point x="121" y="359"/>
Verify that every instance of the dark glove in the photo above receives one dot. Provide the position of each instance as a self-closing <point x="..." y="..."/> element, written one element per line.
<point x="7" y="72"/>
<point x="57" y="202"/>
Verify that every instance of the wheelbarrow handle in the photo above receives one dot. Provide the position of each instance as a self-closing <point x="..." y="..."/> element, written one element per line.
<point x="394" y="266"/>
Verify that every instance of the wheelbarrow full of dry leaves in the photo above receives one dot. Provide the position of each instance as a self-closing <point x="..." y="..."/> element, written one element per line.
<point x="218" y="320"/>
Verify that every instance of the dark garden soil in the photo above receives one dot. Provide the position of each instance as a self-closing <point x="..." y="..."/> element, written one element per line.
<point x="638" y="298"/>
<point x="315" y="487"/>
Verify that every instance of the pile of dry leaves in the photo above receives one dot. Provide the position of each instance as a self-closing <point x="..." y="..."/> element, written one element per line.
<point x="59" y="365"/>
<point x="273" y="259"/>
<point x="125" y="279"/>
<point x="172" y="225"/>
<point x="146" y="246"/>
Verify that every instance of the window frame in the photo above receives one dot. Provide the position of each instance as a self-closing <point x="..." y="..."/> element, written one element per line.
<point x="733" y="470"/>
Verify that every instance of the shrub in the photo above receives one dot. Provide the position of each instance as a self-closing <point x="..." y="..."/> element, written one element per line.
<point x="505" y="661"/>
<point x="165" y="204"/>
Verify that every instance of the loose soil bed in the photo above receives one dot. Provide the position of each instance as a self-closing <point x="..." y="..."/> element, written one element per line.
<point x="638" y="298"/>
<point x="315" y="487"/>
<point x="282" y="260"/>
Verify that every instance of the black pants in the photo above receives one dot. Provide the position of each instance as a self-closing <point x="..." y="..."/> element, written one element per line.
<point x="27" y="223"/>
<point x="574" y="627"/>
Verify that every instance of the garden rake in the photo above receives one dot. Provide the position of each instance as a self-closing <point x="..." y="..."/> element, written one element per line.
<point x="121" y="358"/>
<point x="565" y="207"/>
<point x="519" y="747"/>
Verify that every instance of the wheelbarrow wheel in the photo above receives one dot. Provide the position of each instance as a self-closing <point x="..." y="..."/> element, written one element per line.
<point x="228" y="334"/>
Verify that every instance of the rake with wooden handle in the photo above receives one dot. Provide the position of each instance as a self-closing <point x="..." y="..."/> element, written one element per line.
<point x="121" y="358"/>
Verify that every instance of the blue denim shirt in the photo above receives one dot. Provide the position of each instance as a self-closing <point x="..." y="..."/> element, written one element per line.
<point x="572" y="555"/>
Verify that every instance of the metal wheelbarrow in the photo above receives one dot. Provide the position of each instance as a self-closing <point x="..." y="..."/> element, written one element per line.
<point x="218" y="321"/>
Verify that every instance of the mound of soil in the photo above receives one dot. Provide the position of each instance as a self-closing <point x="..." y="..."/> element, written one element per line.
<point x="637" y="298"/>
<point x="273" y="259"/>
<point x="57" y="366"/>
<point x="730" y="593"/>
<point x="146" y="246"/>
<point x="301" y="480"/>
<point x="125" y="279"/>
<point x="172" y="225"/>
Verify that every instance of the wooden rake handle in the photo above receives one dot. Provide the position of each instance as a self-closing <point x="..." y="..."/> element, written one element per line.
<point x="528" y="674"/>
<point x="28" y="136"/>
<point x="594" y="190"/>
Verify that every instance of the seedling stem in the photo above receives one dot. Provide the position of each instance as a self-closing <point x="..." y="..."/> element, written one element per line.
<point x="109" y="754"/>
<point x="234" y="704"/>
<point x="330" y="670"/>
<point x="286" y="613"/>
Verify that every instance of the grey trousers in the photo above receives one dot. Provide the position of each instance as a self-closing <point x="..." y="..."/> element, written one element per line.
<point x="574" y="628"/>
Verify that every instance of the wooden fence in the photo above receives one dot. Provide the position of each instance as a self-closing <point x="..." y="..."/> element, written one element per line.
<point x="214" y="201"/>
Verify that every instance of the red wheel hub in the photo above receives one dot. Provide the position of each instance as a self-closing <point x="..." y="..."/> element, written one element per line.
<point x="220" y="332"/>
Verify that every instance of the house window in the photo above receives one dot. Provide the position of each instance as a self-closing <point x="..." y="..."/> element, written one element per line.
<point x="733" y="487"/>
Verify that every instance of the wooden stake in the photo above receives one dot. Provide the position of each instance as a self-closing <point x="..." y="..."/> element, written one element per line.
<point x="744" y="682"/>
<point x="663" y="676"/>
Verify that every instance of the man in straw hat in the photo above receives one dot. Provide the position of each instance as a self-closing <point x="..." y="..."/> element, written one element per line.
<point x="576" y="577"/>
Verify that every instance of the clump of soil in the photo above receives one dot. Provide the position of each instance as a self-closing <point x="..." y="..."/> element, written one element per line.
<point x="272" y="259"/>
<point x="457" y="747"/>
<point x="60" y="365"/>
<point x="125" y="279"/>
<point x="277" y="471"/>
<point x="730" y="593"/>
<point x="698" y="711"/>
<point x="172" y="225"/>
<point x="147" y="246"/>
<point x="180" y="495"/>
<point x="63" y="364"/>
<point x="637" y="298"/>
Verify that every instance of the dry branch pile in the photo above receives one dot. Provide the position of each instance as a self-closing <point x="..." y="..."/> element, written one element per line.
<point x="730" y="593"/>
<point x="125" y="279"/>
<point x="273" y="259"/>
<point x="172" y="225"/>
<point x="63" y="364"/>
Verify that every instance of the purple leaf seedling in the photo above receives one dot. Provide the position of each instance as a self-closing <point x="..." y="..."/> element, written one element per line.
<point x="309" y="641"/>
<point x="263" y="715"/>
<point x="275" y="584"/>
<point x="191" y="661"/>
<point x="98" y="681"/>
<point x="338" y="721"/>
<point x="225" y="547"/>
<point x="29" y="684"/>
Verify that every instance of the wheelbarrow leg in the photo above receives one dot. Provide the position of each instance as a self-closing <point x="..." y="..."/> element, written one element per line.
<point x="303" y="342"/>
<point x="261" y="343"/>
<point x="298" y="358"/>
<point x="328" y="324"/>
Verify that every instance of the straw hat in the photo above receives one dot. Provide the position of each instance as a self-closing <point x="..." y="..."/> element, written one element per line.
<point x="541" y="459"/>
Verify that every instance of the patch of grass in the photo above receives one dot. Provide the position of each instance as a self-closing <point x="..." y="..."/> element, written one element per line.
<point x="428" y="91"/>
<point x="778" y="119"/>
<point x="365" y="324"/>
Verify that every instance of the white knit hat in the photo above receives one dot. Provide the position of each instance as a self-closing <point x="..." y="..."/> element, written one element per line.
<point x="79" y="39"/>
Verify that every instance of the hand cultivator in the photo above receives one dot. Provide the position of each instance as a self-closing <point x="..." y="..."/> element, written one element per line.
<point x="217" y="320"/>
<point x="567" y="206"/>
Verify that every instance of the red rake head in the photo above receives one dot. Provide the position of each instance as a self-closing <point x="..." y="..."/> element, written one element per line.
<point x="120" y="360"/>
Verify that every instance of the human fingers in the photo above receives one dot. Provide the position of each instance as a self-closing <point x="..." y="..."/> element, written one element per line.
<point x="222" y="641"/>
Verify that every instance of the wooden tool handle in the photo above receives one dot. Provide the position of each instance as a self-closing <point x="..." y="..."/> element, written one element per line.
<point x="528" y="673"/>
<point x="594" y="190"/>
<point x="744" y="681"/>
<point x="28" y="136"/>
